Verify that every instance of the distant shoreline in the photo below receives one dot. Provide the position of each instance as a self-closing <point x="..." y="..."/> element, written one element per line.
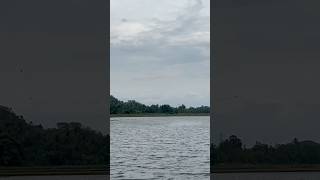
<point x="159" y="114"/>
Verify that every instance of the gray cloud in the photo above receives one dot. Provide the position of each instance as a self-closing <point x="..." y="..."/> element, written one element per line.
<point x="165" y="58"/>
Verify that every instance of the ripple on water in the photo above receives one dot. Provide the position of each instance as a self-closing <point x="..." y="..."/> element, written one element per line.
<point x="160" y="148"/>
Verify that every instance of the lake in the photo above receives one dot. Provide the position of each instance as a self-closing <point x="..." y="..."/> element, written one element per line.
<point x="175" y="147"/>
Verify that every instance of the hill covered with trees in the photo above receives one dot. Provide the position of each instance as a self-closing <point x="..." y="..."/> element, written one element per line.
<point x="25" y="144"/>
<point x="134" y="107"/>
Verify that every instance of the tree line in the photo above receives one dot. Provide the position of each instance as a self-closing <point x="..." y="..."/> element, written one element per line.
<point x="25" y="144"/>
<point x="134" y="107"/>
<point x="232" y="151"/>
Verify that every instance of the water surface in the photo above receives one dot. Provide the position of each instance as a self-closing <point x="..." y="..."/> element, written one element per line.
<point x="160" y="148"/>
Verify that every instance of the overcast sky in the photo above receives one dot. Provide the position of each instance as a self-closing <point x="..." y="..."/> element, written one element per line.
<point x="160" y="51"/>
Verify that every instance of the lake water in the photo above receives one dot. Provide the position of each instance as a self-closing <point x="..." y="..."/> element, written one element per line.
<point x="160" y="148"/>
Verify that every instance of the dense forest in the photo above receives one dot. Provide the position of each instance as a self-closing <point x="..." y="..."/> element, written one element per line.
<point x="25" y="144"/>
<point x="134" y="107"/>
<point x="232" y="151"/>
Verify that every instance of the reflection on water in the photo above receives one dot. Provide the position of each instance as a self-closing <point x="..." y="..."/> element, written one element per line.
<point x="160" y="148"/>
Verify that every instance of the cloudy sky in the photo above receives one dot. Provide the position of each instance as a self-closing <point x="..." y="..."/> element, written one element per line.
<point x="160" y="51"/>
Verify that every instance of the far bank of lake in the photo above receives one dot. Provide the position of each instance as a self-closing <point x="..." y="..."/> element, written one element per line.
<point x="159" y="114"/>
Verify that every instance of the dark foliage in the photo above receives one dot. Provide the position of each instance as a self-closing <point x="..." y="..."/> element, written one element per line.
<point x="134" y="107"/>
<point x="24" y="144"/>
<point x="231" y="151"/>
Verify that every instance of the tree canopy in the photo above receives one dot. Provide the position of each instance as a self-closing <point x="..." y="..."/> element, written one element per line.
<point x="134" y="107"/>
<point x="232" y="151"/>
<point x="25" y="144"/>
